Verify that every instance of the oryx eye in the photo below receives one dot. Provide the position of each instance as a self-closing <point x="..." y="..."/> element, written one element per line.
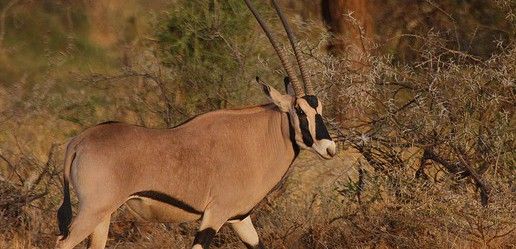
<point x="300" y="112"/>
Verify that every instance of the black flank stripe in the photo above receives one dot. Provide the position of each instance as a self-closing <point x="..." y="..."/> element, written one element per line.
<point x="320" y="129"/>
<point x="162" y="197"/>
<point x="240" y="217"/>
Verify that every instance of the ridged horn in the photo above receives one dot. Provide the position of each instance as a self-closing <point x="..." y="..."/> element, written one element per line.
<point x="298" y="88"/>
<point x="309" y="89"/>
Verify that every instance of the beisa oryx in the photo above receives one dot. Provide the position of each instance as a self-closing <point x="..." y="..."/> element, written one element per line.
<point x="215" y="167"/>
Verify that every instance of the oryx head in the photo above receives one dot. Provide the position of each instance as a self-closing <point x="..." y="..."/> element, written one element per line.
<point x="303" y="107"/>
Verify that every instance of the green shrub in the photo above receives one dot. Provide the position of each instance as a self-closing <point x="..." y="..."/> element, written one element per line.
<point x="212" y="45"/>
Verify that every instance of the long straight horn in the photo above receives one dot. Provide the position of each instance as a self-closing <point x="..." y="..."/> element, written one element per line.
<point x="309" y="89"/>
<point x="298" y="88"/>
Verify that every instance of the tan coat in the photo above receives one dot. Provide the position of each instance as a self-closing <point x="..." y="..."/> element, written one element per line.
<point x="189" y="163"/>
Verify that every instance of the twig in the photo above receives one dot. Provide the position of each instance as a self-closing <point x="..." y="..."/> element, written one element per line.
<point x="12" y="167"/>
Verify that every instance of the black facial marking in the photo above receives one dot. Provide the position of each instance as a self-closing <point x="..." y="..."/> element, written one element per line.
<point x="312" y="100"/>
<point x="320" y="129"/>
<point x="300" y="111"/>
<point x="204" y="237"/>
<point x="259" y="246"/>
<point x="303" y="125"/>
<point x="162" y="197"/>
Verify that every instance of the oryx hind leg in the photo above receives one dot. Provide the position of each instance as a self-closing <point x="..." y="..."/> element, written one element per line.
<point x="247" y="233"/>
<point x="82" y="226"/>
<point x="99" y="236"/>
<point x="93" y="217"/>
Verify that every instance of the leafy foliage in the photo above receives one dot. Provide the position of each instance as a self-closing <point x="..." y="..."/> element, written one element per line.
<point x="212" y="45"/>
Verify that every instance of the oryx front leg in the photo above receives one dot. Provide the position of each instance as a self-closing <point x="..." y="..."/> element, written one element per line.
<point x="210" y="225"/>
<point x="247" y="233"/>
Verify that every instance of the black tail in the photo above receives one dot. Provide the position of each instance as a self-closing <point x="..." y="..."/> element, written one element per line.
<point x="64" y="214"/>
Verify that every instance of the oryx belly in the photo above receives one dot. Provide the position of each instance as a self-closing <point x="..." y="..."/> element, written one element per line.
<point x="153" y="210"/>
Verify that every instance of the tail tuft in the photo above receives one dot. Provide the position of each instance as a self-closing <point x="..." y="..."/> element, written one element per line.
<point x="64" y="214"/>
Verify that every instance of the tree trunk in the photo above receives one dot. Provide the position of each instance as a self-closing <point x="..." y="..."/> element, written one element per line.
<point x="351" y="25"/>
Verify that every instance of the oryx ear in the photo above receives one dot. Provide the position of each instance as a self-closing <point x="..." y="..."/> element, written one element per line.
<point x="284" y="102"/>
<point x="288" y="86"/>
